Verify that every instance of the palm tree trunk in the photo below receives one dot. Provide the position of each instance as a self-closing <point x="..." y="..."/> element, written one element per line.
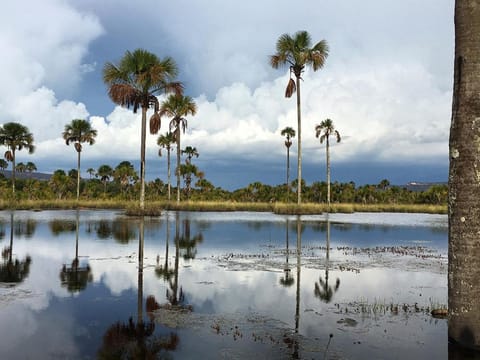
<point x="142" y="157"/>
<point x="464" y="181"/>
<point x="78" y="175"/>
<point x="299" y="144"/>
<point x="168" y="173"/>
<point x="177" y="171"/>
<point x="13" y="171"/>
<point x="328" y="172"/>
<point x="288" y="174"/>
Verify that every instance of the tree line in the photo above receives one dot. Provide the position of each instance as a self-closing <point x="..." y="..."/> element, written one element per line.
<point x="121" y="182"/>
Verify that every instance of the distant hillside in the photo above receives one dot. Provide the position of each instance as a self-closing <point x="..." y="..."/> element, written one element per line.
<point x="26" y="175"/>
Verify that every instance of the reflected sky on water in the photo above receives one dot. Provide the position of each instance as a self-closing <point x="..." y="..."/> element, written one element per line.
<point x="233" y="278"/>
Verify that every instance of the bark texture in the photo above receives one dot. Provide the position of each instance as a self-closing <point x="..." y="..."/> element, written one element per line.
<point x="464" y="181"/>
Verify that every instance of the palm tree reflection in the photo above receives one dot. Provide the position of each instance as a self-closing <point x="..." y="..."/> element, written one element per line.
<point x="76" y="277"/>
<point x="174" y="295"/>
<point x="187" y="243"/>
<point x="295" y="345"/>
<point x="323" y="290"/>
<point x="288" y="279"/>
<point x="13" y="271"/>
<point x="164" y="271"/>
<point x="136" y="340"/>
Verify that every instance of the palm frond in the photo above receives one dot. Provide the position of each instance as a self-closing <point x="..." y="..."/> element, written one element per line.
<point x="125" y="95"/>
<point x="8" y="155"/>
<point x="338" y="136"/>
<point x="291" y="88"/>
<point x="155" y="123"/>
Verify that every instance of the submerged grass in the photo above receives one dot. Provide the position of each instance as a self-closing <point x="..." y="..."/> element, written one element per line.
<point x="154" y="208"/>
<point x="382" y="307"/>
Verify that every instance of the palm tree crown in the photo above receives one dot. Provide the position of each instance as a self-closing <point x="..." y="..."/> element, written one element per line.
<point x="325" y="129"/>
<point x="190" y="152"/>
<point x="296" y="52"/>
<point x="289" y="133"/>
<point x="135" y="82"/>
<point x="79" y="131"/>
<point x="177" y="107"/>
<point x="15" y="137"/>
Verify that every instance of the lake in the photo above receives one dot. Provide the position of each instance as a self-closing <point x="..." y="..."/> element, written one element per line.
<point x="238" y="285"/>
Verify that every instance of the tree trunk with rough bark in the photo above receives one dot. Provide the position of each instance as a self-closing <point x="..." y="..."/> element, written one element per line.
<point x="464" y="181"/>
<point x="328" y="171"/>
<point x="142" y="157"/>
<point x="299" y="144"/>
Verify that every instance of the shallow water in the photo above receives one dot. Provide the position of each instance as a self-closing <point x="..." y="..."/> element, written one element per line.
<point x="88" y="284"/>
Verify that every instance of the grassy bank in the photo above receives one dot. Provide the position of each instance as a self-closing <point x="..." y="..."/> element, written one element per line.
<point x="154" y="207"/>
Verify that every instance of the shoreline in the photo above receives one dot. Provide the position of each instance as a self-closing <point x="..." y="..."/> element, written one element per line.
<point x="154" y="208"/>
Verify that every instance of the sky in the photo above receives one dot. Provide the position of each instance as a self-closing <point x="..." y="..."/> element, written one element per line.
<point x="386" y="84"/>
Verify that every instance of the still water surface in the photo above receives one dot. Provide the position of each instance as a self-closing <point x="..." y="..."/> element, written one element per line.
<point x="96" y="284"/>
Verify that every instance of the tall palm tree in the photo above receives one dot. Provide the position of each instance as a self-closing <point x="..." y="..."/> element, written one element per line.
<point x="296" y="52"/>
<point x="289" y="133"/>
<point x="464" y="186"/>
<point x="166" y="141"/>
<point x="323" y="131"/>
<point x="105" y="172"/>
<point x="15" y="137"/>
<point x="177" y="107"/>
<point x="135" y="82"/>
<point x="77" y="132"/>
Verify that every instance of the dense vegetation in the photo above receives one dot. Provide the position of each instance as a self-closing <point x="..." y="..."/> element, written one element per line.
<point x="121" y="184"/>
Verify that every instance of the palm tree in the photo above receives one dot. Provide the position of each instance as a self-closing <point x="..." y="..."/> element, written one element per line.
<point x="91" y="172"/>
<point x="166" y="141"/>
<point x="15" y="137"/>
<point x="125" y="175"/>
<point x="30" y="167"/>
<point x="3" y="164"/>
<point x="464" y="187"/>
<point x="289" y="133"/>
<point x="190" y="152"/>
<point x="186" y="171"/>
<point x="105" y="172"/>
<point x="79" y="131"/>
<point x="135" y="82"/>
<point x="323" y="131"/>
<point x="297" y="53"/>
<point x="20" y="167"/>
<point x="177" y="107"/>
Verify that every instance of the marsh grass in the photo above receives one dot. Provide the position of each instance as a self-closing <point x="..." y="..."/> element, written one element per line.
<point x="381" y="307"/>
<point x="154" y="207"/>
